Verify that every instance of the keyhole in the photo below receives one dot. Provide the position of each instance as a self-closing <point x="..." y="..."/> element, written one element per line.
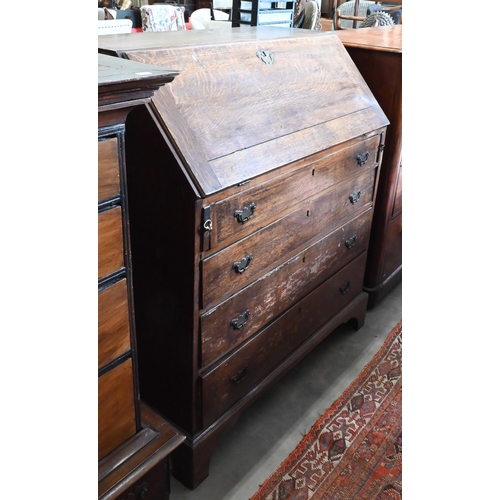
<point x="303" y="259"/>
<point x="307" y="213"/>
<point x="313" y="171"/>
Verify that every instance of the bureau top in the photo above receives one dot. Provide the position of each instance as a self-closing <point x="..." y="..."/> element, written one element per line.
<point x="120" y="44"/>
<point x="382" y="38"/>
<point x="247" y="101"/>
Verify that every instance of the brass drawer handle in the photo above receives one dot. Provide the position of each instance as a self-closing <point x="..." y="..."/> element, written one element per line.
<point x="343" y="289"/>
<point x="242" y="265"/>
<point x="349" y="243"/>
<point x="354" y="197"/>
<point x="240" y="375"/>
<point x="362" y="159"/>
<point x="239" y="322"/>
<point x="246" y="213"/>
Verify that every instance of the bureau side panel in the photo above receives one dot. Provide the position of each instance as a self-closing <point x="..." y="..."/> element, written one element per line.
<point x="393" y="261"/>
<point x="162" y="227"/>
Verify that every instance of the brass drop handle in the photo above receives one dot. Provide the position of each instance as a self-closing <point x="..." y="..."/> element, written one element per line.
<point x="239" y="322"/>
<point x="246" y="213"/>
<point x="349" y="243"/>
<point x="240" y="375"/>
<point x="343" y="289"/>
<point x="354" y="197"/>
<point x="242" y="265"/>
<point x="362" y="159"/>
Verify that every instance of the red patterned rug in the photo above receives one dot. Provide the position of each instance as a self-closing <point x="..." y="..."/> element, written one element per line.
<point x="354" y="451"/>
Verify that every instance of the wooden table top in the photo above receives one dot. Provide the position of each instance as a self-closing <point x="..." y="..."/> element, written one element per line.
<point x="385" y="38"/>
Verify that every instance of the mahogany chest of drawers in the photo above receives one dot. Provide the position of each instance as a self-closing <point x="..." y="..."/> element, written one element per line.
<point x="378" y="54"/>
<point x="134" y="442"/>
<point x="251" y="180"/>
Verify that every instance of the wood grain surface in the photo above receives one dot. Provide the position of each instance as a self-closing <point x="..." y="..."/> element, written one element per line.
<point x="116" y="408"/>
<point x="113" y="329"/>
<point x="234" y="117"/>
<point x="382" y="38"/>
<point x="108" y="170"/>
<point x="110" y="241"/>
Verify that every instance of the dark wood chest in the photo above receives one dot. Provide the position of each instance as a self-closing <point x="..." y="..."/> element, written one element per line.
<point x="378" y="54"/>
<point x="134" y="442"/>
<point x="251" y="181"/>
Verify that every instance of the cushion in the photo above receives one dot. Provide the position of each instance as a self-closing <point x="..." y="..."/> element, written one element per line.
<point x="162" y="17"/>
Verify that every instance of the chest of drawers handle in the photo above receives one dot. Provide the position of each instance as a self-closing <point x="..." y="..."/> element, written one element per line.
<point x="344" y="289"/>
<point x="246" y="213"/>
<point x="239" y="322"/>
<point x="240" y="375"/>
<point x="242" y="265"/>
<point x="362" y="159"/>
<point x="354" y="197"/>
<point x="349" y="243"/>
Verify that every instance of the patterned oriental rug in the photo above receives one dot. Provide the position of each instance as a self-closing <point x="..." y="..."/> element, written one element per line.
<point x="354" y="451"/>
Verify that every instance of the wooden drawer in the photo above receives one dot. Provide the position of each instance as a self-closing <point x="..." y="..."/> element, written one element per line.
<point x="109" y="172"/>
<point x="276" y="291"/>
<point x="116" y="408"/>
<point x="110" y="257"/>
<point x="272" y="200"/>
<point x="264" y="249"/>
<point x="114" y="327"/>
<point x="228" y="382"/>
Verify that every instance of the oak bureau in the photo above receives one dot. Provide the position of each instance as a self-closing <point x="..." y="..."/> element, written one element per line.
<point x="251" y="182"/>
<point x="134" y="442"/>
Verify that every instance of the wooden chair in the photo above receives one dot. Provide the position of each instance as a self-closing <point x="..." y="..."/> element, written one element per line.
<point x="352" y="10"/>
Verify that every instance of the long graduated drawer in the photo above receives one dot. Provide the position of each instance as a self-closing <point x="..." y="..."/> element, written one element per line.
<point x="235" y="266"/>
<point x="228" y="382"/>
<point x="230" y="323"/>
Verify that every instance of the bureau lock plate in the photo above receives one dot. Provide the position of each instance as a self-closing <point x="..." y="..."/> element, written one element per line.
<point x="265" y="56"/>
